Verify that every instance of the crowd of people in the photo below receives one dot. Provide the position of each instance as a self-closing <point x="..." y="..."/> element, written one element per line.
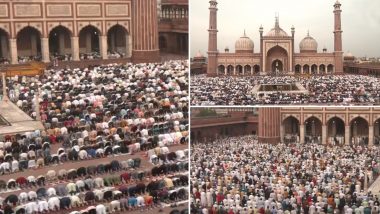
<point x="322" y="90"/>
<point x="26" y="59"/>
<point x="4" y="61"/>
<point x="99" y="112"/>
<point x="241" y="175"/>
<point x="90" y="190"/>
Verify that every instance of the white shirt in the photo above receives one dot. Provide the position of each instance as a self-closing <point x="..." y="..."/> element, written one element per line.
<point x="43" y="205"/>
<point x="31" y="207"/>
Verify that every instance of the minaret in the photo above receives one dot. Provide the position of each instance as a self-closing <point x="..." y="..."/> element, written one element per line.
<point x="261" y="30"/>
<point x="145" y="31"/>
<point x="212" y="40"/>
<point x="338" y="53"/>
<point x="293" y="30"/>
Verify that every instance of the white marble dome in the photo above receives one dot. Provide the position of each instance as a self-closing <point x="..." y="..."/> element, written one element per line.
<point x="245" y="44"/>
<point x="308" y="44"/>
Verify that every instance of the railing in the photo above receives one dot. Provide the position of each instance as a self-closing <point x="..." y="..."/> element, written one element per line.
<point x="200" y="122"/>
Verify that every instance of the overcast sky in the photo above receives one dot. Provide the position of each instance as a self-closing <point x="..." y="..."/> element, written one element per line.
<point x="360" y="23"/>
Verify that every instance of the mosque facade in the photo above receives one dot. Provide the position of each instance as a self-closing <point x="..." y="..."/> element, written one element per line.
<point x="277" y="51"/>
<point x="43" y="27"/>
<point x="326" y="125"/>
<point x="322" y="125"/>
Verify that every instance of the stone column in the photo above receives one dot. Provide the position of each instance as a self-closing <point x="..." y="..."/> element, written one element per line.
<point x="112" y="42"/>
<point x="13" y="49"/>
<point x="324" y="134"/>
<point x="75" y="48"/>
<point x="225" y="70"/>
<point x="89" y="42"/>
<point x="103" y="47"/>
<point x="33" y="42"/>
<point x="234" y="70"/>
<point x="145" y="32"/>
<point x="61" y="39"/>
<point x="269" y="125"/>
<point x="370" y="135"/>
<point x="4" y="47"/>
<point x="5" y="95"/>
<point x="347" y="135"/>
<point x="128" y="51"/>
<point x="45" y="49"/>
<point x="251" y="70"/>
<point x="302" y="133"/>
<point x="282" y="134"/>
<point x="317" y="69"/>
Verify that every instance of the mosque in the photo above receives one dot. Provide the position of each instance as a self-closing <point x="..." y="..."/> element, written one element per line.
<point x="321" y="125"/>
<point x="277" y="51"/>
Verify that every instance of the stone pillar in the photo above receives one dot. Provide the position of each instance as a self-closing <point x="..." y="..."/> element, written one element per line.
<point x="61" y="39"/>
<point x="302" y="133"/>
<point x="103" y="47"/>
<point x="4" y="47"/>
<point x="129" y="46"/>
<point x="269" y="125"/>
<point x="234" y="70"/>
<point x="317" y="69"/>
<point x="13" y="49"/>
<point x="75" y="48"/>
<point x="370" y="135"/>
<point x="45" y="49"/>
<point x="112" y="42"/>
<point x="324" y="134"/>
<point x="347" y="135"/>
<point x="89" y="42"/>
<point x="282" y="132"/>
<point x="33" y="42"/>
<point x="225" y="70"/>
<point x="5" y="95"/>
<point x="145" y="31"/>
<point x="251" y="70"/>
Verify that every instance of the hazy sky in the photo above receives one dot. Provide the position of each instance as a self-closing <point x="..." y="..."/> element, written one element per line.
<point x="360" y="23"/>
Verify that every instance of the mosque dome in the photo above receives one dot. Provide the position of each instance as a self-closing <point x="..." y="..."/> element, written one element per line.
<point x="308" y="44"/>
<point x="199" y="55"/>
<point x="244" y="45"/>
<point x="277" y="31"/>
<point x="349" y="56"/>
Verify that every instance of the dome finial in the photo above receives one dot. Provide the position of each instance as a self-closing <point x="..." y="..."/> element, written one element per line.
<point x="277" y="22"/>
<point x="244" y="33"/>
<point x="308" y="33"/>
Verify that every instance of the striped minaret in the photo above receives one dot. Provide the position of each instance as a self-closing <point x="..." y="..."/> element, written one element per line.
<point x="212" y="40"/>
<point x="145" y="31"/>
<point x="338" y="52"/>
<point x="269" y="125"/>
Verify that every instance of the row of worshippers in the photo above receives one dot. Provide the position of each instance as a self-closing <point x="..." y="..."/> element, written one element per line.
<point x="135" y="106"/>
<point x="241" y="175"/>
<point x="337" y="89"/>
